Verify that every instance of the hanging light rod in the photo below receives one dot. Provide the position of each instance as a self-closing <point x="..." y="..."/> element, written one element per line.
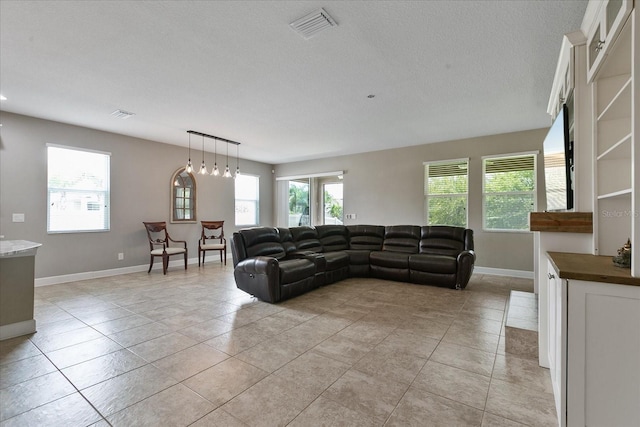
<point x="212" y="137"/>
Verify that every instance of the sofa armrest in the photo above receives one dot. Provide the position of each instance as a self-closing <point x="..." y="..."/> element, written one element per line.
<point x="316" y="258"/>
<point x="259" y="276"/>
<point x="466" y="260"/>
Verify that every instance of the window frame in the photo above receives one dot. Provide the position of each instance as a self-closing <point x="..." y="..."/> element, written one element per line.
<point x="533" y="192"/>
<point x="105" y="191"/>
<point x="428" y="196"/>
<point x="256" y="201"/>
<point x="174" y="197"/>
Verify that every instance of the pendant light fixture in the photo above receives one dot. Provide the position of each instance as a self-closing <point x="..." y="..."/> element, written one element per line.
<point x="237" y="161"/>
<point x="215" y="171"/>
<point x="189" y="167"/>
<point x="203" y="167"/>
<point x="227" y="172"/>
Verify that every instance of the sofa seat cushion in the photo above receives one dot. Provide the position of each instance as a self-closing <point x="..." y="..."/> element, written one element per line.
<point x="441" y="264"/>
<point x="336" y="260"/>
<point x="389" y="259"/>
<point x="294" y="270"/>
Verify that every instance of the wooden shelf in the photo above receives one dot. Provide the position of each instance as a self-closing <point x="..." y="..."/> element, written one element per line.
<point x="561" y="222"/>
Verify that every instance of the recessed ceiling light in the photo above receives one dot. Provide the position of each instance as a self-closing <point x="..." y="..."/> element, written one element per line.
<point x="3" y="98"/>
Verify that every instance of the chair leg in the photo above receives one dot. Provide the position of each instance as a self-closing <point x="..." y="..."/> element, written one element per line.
<point x="185" y="260"/>
<point x="150" y="263"/>
<point x="225" y="255"/>
<point x="199" y="252"/>
<point x="165" y="263"/>
<point x="203" y="254"/>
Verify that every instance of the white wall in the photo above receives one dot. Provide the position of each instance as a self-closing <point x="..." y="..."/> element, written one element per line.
<point x="387" y="188"/>
<point x="141" y="172"/>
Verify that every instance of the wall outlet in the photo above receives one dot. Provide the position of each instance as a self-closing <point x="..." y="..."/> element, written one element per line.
<point x="351" y="216"/>
<point x="18" y="217"/>
<point x="120" y="256"/>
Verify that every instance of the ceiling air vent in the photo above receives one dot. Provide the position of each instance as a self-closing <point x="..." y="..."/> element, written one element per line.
<point x="121" y="114"/>
<point x="311" y="24"/>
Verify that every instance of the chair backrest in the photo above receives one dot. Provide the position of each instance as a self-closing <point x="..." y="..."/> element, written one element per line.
<point x="212" y="230"/>
<point x="157" y="232"/>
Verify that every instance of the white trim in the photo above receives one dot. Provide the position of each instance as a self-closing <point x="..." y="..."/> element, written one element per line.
<point x="17" y="329"/>
<point x="503" y="156"/>
<point x="86" y="275"/>
<point x="309" y="175"/>
<point x="439" y="162"/>
<point x="86" y="150"/>
<point x="523" y="274"/>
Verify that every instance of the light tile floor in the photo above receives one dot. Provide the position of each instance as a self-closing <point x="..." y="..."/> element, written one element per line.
<point x="189" y="348"/>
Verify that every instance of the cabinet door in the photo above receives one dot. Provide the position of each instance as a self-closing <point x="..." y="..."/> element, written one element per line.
<point x="611" y="18"/>
<point x="603" y="353"/>
<point x="557" y="341"/>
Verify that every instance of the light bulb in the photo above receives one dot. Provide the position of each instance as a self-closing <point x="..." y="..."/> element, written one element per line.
<point x="227" y="172"/>
<point x="189" y="167"/>
<point x="215" y="171"/>
<point x="203" y="169"/>
<point x="237" y="171"/>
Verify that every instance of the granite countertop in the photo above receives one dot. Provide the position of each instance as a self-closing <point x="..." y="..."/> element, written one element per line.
<point x="17" y="248"/>
<point x="591" y="268"/>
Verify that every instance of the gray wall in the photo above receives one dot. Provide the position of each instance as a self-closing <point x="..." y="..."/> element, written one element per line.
<point x="141" y="171"/>
<point x="387" y="188"/>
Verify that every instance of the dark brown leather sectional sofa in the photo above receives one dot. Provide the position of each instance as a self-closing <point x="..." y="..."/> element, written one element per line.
<point x="275" y="264"/>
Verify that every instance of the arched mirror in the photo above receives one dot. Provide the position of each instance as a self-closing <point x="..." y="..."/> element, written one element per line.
<point x="183" y="197"/>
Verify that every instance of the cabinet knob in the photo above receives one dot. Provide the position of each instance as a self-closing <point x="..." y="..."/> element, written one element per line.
<point x="551" y="276"/>
<point x="599" y="45"/>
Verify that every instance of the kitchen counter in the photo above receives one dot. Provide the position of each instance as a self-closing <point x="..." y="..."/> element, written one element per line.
<point x="591" y="268"/>
<point x="17" y="273"/>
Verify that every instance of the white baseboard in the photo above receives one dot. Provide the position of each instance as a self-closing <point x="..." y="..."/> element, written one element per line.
<point x="17" y="329"/>
<point x="74" y="277"/>
<point x="523" y="274"/>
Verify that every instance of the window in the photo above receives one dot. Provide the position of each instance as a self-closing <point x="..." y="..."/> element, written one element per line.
<point x="77" y="190"/>
<point x="183" y="197"/>
<point x="446" y="186"/>
<point x="509" y="192"/>
<point x="299" y="213"/>
<point x="247" y="188"/>
<point x="332" y="203"/>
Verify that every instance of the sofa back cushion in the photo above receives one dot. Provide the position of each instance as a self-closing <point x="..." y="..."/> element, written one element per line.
<point x="333" y="237"/>
<point x="262" y="241"/>
<point x="366" y="237"/>
<point x="402" y="238"/>
<point x="286" y="238"/>
<point x="445" y="240"/>
<point x="306" y="239"/>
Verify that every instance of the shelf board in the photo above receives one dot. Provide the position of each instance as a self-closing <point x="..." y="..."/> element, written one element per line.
<point x="620" y="193"/>
<point x="561" y="222"/>
<point x="620" y="105"/>
<point x="619" y="150"/>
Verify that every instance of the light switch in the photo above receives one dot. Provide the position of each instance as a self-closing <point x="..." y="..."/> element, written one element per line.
<point x="18" y="217"/>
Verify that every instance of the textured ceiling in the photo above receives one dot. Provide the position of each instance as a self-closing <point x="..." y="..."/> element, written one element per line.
<point x="439" y="70"/>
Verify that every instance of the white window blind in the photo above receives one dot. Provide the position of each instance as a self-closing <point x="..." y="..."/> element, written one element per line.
<point x="247" y="199"/>
<point x="77" y="190"/>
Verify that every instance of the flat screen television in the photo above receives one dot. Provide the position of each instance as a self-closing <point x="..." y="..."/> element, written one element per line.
<point x="558" y="164"/>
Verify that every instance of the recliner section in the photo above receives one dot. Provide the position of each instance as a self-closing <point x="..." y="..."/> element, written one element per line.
<point x="275" y="264"/>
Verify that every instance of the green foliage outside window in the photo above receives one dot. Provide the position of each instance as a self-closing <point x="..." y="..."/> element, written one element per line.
<point x="446" y="193"/>
<point x="509" y="192"/>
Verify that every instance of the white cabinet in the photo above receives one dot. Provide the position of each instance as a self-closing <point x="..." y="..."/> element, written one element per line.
<point x="603" y="353"/>
<point x="604" y="30"/>
<point x="593" y="346"/>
